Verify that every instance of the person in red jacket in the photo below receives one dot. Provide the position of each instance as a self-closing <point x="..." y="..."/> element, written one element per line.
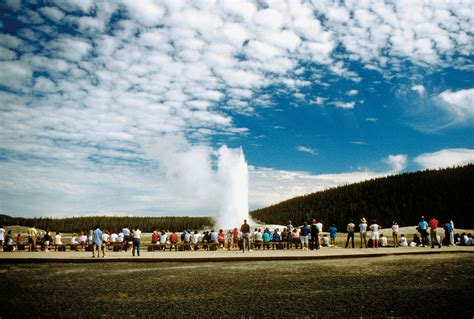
<point x="434" y="232"/>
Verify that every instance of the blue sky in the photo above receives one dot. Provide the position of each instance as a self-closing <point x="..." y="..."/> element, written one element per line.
<point x="121" y="107"/>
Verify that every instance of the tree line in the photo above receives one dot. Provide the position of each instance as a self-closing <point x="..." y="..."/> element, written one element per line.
<point x="444" y="193"/>
<point x="76" y="224"/>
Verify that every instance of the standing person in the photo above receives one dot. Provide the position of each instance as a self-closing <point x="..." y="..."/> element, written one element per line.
<point x="423" y="229"/>
<point x="434" y="232"/>
<point x="363" y="232"/>
<point x="230" y="240"/>
<point x="374" y="227"/>
<point x="332" y="235"/>
<point x="126" y="239"/>
<point x="448" y="233"/>
<point x="314" y="235"/>
<point x="245" y="229"/>
<point x="375" y="233"/>
<point x="235" y="238"/>
<point x="319" y="225"/>
<point x="32" y="234"/>
<point x="96" y="241"/>
<point x="289" y="227"/>
<point x="46" y="241"/>
<point x="105" y="241"/>
<point x="2" y="235"/>
<point x="137" y="234"/>
<point x="221" y="238"/>
<point x="395" y="229"/>
<point x="304" y="231"/>
<point x="350" y="233"/>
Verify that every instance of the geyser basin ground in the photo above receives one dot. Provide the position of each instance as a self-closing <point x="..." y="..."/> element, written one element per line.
<point x="429" y="285"/>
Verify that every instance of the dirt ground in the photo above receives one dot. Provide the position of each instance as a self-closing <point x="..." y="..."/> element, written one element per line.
<point x="408" y="286"/>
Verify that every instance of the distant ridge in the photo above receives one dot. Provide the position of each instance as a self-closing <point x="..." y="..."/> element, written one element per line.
<point x="445" y="193"/>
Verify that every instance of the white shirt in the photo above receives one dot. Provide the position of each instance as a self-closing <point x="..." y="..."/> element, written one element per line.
<point x="73" y="240"/>
<point x="187" y="237"/>
<point x="84" y="238"/>
<point x="326" y="241"/>
<point x="137" y="233"/>
<point x="163" y="238"/>
<point x="374" y="227"/>
<point x="363" y="227"/>
<point x="113" y="237"/>
<point x="194" y="238"/>
<point x="395" y="228"/>
<point x="2" y="234"/>
<point x="319" y="226"/>
<point x="120" y="237"/>
<point x="105" y="238"/>
<point x="403" y="242"/>
<point x="57" y="240"/>
<point x="383" y="241"/>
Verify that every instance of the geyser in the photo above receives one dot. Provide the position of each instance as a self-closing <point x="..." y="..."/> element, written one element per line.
<point x="233" y="181"/>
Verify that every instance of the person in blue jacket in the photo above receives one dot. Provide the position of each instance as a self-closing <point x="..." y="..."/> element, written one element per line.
<point x="332" y="235"/>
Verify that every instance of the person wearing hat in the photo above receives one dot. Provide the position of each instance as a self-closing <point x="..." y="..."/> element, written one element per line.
<point x="423" y="229"/>
<point x="363" y="232"/>
<point x="395" y="229"/>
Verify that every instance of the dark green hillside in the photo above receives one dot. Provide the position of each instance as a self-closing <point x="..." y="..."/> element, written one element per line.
<point x="445" y="193"/>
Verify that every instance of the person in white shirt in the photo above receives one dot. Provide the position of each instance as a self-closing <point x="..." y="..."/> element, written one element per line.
<point x="395" y="229"/>
<point x="403" y="241"/>
<point x="2" y="235"/>
<point x="363" y="232"/>
<point x="105" y="241"/>
<point x="163" y="238"/>
<point x="120" y="237"/>
<point x="195" y="237"/>
<point x="74" y="239"/>
<point x="137" y="234"/>
<point x="325" y="241"/>
<point x="113" y="237"/>
<point x="57" y="239"/>
<point x="383" y="241"/>
<point x="375" y="233"/>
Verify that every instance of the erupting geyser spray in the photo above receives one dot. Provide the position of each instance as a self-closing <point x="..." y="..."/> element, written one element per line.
<point x="233" y="178"/>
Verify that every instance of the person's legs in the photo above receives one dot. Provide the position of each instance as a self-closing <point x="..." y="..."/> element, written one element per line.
<point x="451" y="238"/>
<point x="352" y="239"/>
<point x="134" y="248"/>
<point x="347" y="240"/>
<point x="138" y="247"/>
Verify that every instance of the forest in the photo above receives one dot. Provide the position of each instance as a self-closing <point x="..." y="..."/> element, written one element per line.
<point x="444" y="193"/>
<point x="76" y="224"/>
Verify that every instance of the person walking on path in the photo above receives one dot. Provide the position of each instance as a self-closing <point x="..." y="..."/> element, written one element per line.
<point x="96" y="241"/>
<point x="350" y="233"/>
<point x="375" y="233"/>
<point x="245" y="230"/>
<point x="395" y="234"/>
<point x="434" y="232"/>
<point x="423" y="229"/>
<point x="363" y="232"/>
<point x="137" y="234"/>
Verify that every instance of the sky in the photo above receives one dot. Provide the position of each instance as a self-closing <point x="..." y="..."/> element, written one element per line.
<point x="123" y="107"/>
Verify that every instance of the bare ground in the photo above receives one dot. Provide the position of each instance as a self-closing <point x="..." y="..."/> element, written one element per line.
<point x="408" y="286"/>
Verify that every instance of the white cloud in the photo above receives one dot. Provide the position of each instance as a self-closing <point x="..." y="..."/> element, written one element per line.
<point x="83" y="98"/>
<point x="397" y="162"/>
<point x="446" y="158"/>
<point x="371" y="119"/>
<point x="459" y="105"/>
<point x="52" y="13"/>
<point x="308" y="150"/>
<point x="344" y="105"/>
<point x="420" y="89"/>
<point x="352" y="92"/>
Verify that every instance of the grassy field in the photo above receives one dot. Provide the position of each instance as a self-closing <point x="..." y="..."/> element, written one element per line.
<point x="415" y="286"/>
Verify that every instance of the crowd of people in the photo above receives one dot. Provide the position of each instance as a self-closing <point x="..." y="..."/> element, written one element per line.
<point x="306" y="236"/>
